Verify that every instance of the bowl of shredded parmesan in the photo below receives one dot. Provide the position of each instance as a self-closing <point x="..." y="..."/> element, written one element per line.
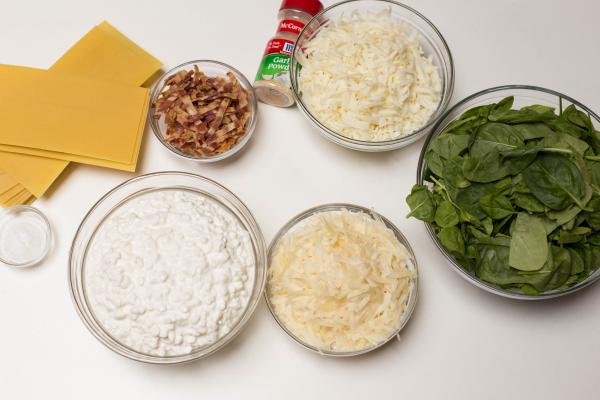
<point x="372" y="75"/>
<point x="341" y="279"/>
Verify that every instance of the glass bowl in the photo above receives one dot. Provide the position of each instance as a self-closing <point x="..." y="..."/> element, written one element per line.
<point x="210" y="68"/>
<point x="412" y="265"/>
<point x="117" y="197"/>
<point x="432" y="42"/>
<point x="523" y="95"/>
<point x="27" y="227"/>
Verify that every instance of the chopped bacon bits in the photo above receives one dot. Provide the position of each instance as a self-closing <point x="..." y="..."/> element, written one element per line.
<point x="205" y="116"/>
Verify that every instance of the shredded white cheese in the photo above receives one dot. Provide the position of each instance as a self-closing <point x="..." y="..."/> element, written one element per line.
<point x="340" y="281"/>
<point x="365" y="76"/>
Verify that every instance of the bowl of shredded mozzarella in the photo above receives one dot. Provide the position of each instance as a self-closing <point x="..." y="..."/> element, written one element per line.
<point x="372" y="75"/>
<point x="341" y="280"/>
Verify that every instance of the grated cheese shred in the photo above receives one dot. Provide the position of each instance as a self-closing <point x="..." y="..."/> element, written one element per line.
<point x="340" y="281"/>
<point x="366" y="77"/>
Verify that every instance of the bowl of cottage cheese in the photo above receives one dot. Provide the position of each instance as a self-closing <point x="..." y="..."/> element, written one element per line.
<point x="167" y="267"/>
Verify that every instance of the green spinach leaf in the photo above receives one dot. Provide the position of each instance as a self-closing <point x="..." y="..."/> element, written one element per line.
<point x="564" y="141"/>
<point x="554" y="219"/>
<point x="446" y="215"/>
<point x="435" y="162"/>
<point x="452" y="240"/>
<point x="501" y="137"/>
<point x="594" y="170"/>
<point x="528" y="114"/>
<point x="528" y="202"/>
<point x="468" y="199"/>
<point x="453" y="173"/>
<point x="555" y="181"/>
<point x="496" y="206"/>
<point x="528" y="244"/>
<point x="420" y="201"/>
<point x="448" y="146"/>
<point x="484" y="168"/>
<point x="562" y="268"/>
<point x="532" y="131"/>
<point x="578" y="118"/>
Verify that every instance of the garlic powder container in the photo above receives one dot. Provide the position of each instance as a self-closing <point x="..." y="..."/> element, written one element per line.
<point x="272" y="83"/>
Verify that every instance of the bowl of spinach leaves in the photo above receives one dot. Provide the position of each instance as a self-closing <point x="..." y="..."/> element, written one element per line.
<point x="508" y="185"/>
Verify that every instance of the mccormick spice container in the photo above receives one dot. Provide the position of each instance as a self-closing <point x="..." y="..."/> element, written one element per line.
<point x="272" y="83"/>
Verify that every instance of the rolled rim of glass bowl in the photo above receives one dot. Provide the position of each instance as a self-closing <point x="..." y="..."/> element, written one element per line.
<point x="487" y="96"/>
<point x="413" y="265"/>
<point x="439" y="50"/>
<point x="210" y="68"/>
<point x="121" y="194"/>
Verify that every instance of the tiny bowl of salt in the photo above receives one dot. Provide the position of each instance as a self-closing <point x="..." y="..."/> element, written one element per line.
<point x="372" y="75"/>
<point x="203" y="110"/>
<point x="25" y="236"/>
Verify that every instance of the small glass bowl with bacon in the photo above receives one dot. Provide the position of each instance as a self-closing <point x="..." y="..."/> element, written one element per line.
<point x="203" y="110"/>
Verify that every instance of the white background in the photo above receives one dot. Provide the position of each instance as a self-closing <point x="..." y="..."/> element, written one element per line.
<point x="461" y="343"/>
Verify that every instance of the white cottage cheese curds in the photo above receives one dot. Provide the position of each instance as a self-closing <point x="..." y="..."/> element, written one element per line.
<point x="169" y="271"/>
<point x="366" y="77"/>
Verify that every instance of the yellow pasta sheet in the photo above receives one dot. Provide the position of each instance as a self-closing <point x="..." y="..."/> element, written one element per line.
<point x="12" y="193"/>
<point x="14" y="190"/>
<point x="33" y="173"/>
<point x="6" y="181"/>
<point x="104" y="54"/>
<point x="108" y="55"/>
<point x="69" y="117"/>
<point x="21" y="197"/>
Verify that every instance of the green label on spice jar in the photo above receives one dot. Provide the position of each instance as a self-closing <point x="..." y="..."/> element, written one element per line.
<point x="276" y="61"/>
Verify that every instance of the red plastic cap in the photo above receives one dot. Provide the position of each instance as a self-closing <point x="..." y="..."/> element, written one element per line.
<point x="312" y="7"/>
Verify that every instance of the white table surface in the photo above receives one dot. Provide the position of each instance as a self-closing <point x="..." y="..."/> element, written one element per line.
<point x="461" y="343"/>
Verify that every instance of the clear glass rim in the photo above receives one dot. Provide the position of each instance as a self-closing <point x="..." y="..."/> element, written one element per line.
<point x="412" y="298"/>
<point x="157" y="88"/>
<point x="488" y="287"/>
<point x="47" y="230"/>
<point x="341" y="139"/>
<point x="98" y="331"/>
